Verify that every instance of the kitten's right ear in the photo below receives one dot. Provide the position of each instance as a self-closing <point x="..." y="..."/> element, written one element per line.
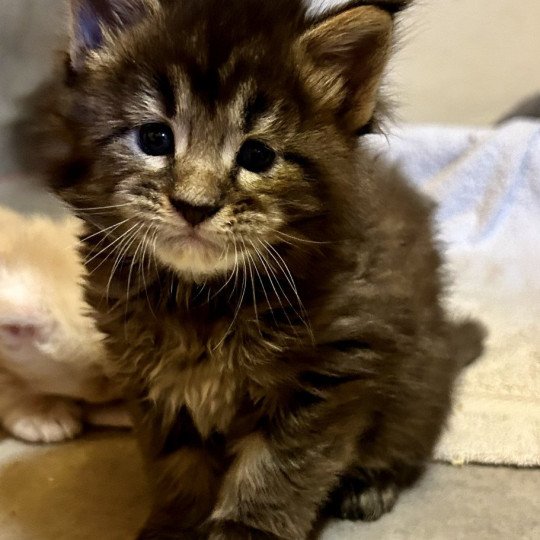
<point x="343" y="53"/>
<point x="92" y="19"/>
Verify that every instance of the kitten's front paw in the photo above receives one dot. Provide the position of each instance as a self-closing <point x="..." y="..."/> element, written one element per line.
<point x="229" y="530"/>
<point x="355" y="499"/>
<point x="44" y="420"/>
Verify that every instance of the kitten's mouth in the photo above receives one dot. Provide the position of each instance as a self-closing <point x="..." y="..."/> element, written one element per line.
<point x="193" y="252"/>
<point x="194" y="239"/>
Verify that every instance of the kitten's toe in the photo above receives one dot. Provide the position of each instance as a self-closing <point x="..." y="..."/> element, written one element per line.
<point x="44" y="420"/>
<point x="355" y="500"/>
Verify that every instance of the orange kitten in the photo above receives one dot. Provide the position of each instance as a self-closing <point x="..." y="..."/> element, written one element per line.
<point x="50" y="351"/>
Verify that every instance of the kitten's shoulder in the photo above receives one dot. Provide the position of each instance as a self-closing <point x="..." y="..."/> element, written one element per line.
<point x="393" y="260"/>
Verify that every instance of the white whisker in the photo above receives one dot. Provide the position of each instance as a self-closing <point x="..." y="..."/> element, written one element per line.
<point x="272" y="276"/>
<point x="238" y="306"/>
<point x="101" y="231"/>
<point x="236" y="268"/>
<point x="113" y="206"/>
<point x="109" y="247"/>
<point x="224" y="286"/>
<point x="131" y="267"/>
<point x="288" y="276"/>
<point x="144" y="278"/>
<point x="297" y="239"/>
<point x="249" y="261"/>
<point x="261" y="280"/>
<point x="123" y="249"/>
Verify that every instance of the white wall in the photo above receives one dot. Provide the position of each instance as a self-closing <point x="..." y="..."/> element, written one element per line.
<point x="29" y="31"/>
<point x="464" y="61"/>
<point x="467" y="61"/>
<point x="461" y="61"/>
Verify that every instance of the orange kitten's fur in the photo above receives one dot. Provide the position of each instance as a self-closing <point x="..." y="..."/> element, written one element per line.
<point x="50" y="351"/>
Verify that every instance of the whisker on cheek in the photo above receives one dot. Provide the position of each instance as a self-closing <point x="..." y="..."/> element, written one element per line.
<point x="96" y="208"/>
<point x="258" y="254"/>
<point x="123" y="250"/>
<point x="134" y="259"/>
<point x="290" y="280"/>
<point x="143" y="276"/>
<point x="101" y="232"/>
<point x="109" y="247"/>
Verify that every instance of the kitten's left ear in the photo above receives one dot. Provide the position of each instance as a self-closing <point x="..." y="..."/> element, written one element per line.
<point x="90" y="19"/>
<point x="343" y="55"/>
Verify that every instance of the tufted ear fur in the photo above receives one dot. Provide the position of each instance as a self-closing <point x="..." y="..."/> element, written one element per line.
<point x="91" y="19"/>
<point x="343" y="57"/>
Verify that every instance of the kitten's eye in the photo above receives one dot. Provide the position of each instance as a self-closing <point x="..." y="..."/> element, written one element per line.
<point x="156" y="139"/>
<point x="255" y="156"/>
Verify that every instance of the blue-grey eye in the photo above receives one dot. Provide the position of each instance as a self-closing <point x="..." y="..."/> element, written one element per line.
<point x="156" y="139"/>
<point x="255" y="156"/>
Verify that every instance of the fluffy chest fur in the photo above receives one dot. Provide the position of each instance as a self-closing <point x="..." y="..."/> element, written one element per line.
<point x="209" y="389"/>
<point x="204" y="358"/>
<point x="193" y="375"/>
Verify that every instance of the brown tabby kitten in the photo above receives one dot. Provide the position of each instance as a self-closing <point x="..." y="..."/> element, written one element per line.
<point x="272" y="304"/>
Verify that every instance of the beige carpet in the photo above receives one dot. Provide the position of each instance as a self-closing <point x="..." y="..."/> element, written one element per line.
<point x="93" y="489"/>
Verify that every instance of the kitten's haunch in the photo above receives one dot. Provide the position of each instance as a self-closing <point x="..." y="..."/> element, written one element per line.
<point x="273" y="304"/>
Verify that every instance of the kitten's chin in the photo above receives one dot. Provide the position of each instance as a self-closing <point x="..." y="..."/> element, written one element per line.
<point x="196" y="261"/>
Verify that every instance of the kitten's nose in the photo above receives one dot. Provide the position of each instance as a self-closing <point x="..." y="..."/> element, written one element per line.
<point x="194" y="214"/>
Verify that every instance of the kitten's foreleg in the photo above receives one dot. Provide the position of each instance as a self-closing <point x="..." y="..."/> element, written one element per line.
<point x="185" y="490"/>
<point x="363" y="495"/>
<point x="277" y="483"/>
<point x="185" y="472"/>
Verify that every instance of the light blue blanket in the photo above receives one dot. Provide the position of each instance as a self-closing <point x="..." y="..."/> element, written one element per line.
<point x="487" y="186"/>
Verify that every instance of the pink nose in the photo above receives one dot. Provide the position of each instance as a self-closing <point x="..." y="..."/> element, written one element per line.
<point x="15" y="335"/>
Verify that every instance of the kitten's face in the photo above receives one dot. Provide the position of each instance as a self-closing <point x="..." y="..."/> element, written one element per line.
<point x="204" y="184"/>
<point x="203" y="139"/>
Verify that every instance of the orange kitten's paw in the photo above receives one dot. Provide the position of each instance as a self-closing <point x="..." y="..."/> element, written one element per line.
<point x="44" y="420"/>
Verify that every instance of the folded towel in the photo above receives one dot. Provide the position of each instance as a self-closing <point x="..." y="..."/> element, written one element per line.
<point x="487" y="185"/>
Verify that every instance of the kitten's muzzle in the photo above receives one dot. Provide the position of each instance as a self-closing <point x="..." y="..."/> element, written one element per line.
<point x="194" y="214"/>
